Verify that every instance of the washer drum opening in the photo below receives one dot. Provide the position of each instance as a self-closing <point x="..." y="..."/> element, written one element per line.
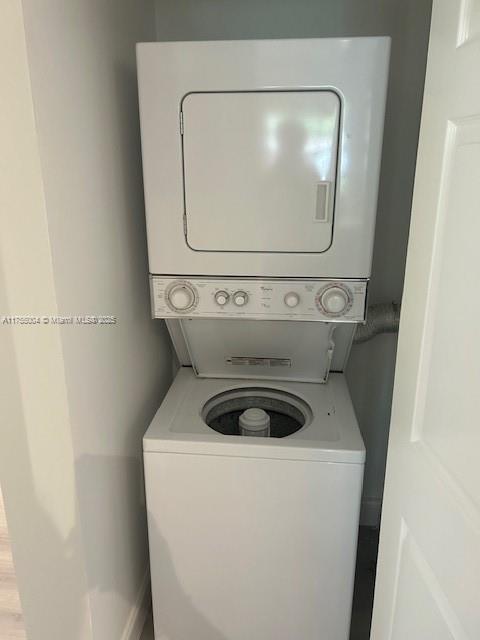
<point x="288" y="413"/>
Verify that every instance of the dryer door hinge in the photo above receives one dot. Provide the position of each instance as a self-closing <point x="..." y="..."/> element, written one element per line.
<point x="185" y="225"/>
<point x="181" y="123"/>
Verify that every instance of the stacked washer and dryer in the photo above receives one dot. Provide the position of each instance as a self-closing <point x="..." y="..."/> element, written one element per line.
<point x="261" y="165"/>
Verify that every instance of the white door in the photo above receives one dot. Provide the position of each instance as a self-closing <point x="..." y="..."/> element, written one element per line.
<point x="428" y="580"/>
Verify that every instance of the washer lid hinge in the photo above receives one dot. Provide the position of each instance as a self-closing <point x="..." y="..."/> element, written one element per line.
<point x="330" y="350"/>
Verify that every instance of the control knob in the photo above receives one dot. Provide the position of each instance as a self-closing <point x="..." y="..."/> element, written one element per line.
<point x="291" y="299"/>
<point x="181" y="296"/>
<point x="221" y="298"/>
<point x="240" y="298"/>
<point x="334" y="300"/>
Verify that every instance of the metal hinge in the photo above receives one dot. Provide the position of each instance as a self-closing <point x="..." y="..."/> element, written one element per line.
<point x="181" y="123"/>
<point x="185" y="225"/>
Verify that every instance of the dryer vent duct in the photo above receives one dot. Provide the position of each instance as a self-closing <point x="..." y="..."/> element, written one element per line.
<point x="381" y="318"/>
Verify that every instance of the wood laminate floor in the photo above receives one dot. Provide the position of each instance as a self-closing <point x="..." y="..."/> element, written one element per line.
<point x="11" y="622"/>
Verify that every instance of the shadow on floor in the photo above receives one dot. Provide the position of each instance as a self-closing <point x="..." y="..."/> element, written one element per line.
<point x="364" y="586"/>
<point x="364" y="583"/>
<point x="148" y="629"/>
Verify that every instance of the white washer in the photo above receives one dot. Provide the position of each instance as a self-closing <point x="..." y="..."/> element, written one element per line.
<point x="253" y="537"/>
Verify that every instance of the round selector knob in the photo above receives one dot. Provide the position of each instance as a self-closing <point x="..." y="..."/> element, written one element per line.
<point x="221" y="298"/>
<point x="291" y="299"/>
<point x="181" y="297"/>
<point x="240" y="298"/>
<point x="334" y="300"/>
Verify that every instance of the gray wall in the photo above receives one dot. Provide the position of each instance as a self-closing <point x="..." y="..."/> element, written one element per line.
<point x="371" y="367"/>
<point x="83" y="75"/>
<point x="76" y="400"/>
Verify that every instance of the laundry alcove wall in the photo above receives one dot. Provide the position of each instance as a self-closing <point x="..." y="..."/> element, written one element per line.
<point x="73" y="241"/>
<point x="76" y="400"/>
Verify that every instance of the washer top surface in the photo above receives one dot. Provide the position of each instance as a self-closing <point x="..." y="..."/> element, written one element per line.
<point x="330" y="432"/>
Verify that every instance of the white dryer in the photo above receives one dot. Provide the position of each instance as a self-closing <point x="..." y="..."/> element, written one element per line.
<point x="261" y="163"/>
<point x="261" y="157"/>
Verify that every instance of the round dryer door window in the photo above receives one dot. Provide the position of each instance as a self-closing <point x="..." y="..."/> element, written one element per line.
<point x="287" y="413"/>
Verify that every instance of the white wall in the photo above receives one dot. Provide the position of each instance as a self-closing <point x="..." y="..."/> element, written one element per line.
<point x="371" y="366"/>
<point x="78" y="399"/>
<point x="36" y="453"/>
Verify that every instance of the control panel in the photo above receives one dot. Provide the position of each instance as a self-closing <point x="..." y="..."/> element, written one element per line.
<point x="321" y="299"/>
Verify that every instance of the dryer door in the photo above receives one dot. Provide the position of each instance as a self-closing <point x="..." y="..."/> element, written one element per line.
<point x="260" y="170"/>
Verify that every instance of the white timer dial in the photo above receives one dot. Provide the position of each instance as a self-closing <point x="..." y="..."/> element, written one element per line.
<point x="181" y="296"/>
<point x="334" y="300"/>
<point x="291" y="299"/>
<point x="240" y="298"/>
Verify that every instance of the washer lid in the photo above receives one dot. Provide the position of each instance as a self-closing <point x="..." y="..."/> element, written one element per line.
<point x="288" y="350"/>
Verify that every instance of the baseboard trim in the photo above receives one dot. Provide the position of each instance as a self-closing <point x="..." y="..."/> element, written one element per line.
<point x="370" y="512"/>
<point x="138" y="614"/>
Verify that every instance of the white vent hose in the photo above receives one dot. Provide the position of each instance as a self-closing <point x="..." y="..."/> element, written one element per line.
<point x="381" y="318"/>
